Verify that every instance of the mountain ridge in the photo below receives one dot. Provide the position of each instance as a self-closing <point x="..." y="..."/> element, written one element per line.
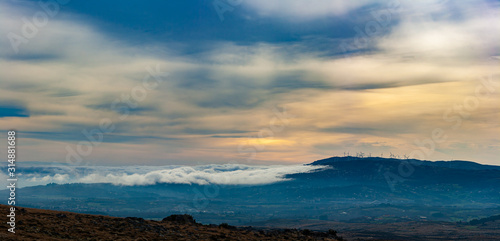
<point x="457" y="164"/>
<point x="351" y="188"/>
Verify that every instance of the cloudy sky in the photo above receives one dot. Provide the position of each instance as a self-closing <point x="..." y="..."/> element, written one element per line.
<point x="249" y="82"/>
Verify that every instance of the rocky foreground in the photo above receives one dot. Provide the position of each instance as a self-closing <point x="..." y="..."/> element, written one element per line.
<point x="38" y="224"/>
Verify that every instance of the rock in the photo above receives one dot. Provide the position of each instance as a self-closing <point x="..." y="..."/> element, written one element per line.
<point x="135" y="220"/>
<point x="184" y="219"/>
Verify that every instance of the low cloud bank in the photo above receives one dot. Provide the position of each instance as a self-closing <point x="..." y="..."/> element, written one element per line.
<point x="227" y="174"/>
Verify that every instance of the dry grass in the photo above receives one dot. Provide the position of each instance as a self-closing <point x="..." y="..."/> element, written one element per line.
<point x="37" y="224"/>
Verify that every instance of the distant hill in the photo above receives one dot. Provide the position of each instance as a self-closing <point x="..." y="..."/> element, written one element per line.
<point x="387" y="171"/>
<point x="456" y="164"/>
<point x="349" y="188"/>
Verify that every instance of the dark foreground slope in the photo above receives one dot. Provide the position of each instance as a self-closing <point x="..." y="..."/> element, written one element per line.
<point x="38" y="224"/>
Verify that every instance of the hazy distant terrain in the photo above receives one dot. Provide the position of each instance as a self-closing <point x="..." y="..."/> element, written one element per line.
<point x="350" y="189"/>
<point x="358" y="197"/>
<point x="484" y="229"/>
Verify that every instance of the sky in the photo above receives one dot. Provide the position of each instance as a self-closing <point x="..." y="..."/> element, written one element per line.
<point x="249" y="82"/>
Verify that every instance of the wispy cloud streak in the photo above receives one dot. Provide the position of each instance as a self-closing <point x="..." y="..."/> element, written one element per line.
<point x="226" y="174"/>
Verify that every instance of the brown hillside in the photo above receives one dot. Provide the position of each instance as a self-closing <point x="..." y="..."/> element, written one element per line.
<point x="38" y="224"/>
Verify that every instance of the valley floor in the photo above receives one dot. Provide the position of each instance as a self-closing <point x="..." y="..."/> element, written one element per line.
<point x="413" y="230"/>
